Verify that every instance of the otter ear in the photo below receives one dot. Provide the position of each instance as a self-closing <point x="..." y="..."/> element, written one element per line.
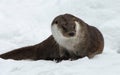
<point x="78" y="26"/>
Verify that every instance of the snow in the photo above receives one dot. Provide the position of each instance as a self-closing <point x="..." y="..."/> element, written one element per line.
<point x="27" y="22"/>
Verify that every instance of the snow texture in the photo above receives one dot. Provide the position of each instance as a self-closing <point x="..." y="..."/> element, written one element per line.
<point x="27" y="22"/>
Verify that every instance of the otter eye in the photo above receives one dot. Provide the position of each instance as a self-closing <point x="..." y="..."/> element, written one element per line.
<point x="56" y="22"/>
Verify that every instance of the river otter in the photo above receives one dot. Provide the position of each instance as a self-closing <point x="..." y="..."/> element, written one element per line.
<point x="71" y="38"/>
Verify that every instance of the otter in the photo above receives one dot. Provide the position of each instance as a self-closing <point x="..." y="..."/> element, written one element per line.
<point x="71" y="38"/>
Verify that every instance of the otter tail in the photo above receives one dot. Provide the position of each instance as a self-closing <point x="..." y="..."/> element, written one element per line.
<point x="19" y="54"/>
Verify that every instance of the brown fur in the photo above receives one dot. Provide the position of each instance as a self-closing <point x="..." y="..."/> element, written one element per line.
<point x="49" y="49"/>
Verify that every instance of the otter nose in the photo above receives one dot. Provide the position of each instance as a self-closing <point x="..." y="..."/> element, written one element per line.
<point x="71" y="33"/>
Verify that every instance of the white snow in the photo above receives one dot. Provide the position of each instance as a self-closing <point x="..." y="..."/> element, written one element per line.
<point x="27" y="22"/>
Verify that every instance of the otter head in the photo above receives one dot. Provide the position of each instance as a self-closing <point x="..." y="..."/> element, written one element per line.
<point x="66" y="30"/>
<point x="66" y="24"/>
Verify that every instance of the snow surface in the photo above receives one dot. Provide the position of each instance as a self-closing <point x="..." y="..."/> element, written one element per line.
<point x="27" y="22"/>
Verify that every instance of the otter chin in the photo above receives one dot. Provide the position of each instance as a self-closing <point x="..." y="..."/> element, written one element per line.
<point x="71" y="38"/>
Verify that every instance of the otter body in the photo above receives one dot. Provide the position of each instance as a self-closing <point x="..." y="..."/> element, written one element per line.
<point x="71" y="38"/>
